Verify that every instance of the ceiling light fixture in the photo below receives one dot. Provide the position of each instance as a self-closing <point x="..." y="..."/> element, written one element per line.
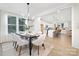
<point x="28" y="11"/>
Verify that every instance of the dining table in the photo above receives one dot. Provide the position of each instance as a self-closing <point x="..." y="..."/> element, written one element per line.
<point x="30" y="39"/>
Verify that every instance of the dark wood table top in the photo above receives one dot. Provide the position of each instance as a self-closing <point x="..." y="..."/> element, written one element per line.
<point x="29" y="36"/>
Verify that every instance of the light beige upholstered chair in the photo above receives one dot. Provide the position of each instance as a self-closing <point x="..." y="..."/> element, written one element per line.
<point x="20" y="42"/>
<point x="39" y="41"/>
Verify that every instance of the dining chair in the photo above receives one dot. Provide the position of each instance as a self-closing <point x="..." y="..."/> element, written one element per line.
<point x="20" y="42"/>
<point x="13" y="35"/>
<point x="39" y="41"/>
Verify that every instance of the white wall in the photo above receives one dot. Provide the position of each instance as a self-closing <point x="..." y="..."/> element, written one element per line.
<point x="1" y="30"/>
<point x="46" y="23"/>
<point x="75" y="25"/>
<point x="36" y="25"/>
<point x="3" y="23"/>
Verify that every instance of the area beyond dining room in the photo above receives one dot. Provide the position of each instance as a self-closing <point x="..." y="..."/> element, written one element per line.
<point x="38" y="29"/>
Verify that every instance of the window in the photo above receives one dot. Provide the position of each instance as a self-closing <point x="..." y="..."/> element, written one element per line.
<point x="15" y="24"/>
<point x="22" y="24"/>
<point x="11" y="24"/>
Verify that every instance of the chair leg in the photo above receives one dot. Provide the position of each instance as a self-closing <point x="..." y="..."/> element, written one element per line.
<point x="43" y="45"/>
<point x="14" y="44"/>
<point x="20" y="50"/>
<point x="38" y="50"/>
<point x="17" y="47"/>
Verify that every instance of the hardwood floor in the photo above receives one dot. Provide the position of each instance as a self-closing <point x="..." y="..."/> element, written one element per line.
<point x="62" y="46"/>
<point x="56" y="46"/>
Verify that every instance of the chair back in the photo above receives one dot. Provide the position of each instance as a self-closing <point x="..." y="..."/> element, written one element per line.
<point x="15" y="36"/>
<point x="40" y="40"/>
<point x="10" y="37"/>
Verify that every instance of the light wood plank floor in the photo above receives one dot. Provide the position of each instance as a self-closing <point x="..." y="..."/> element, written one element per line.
<point x="62" y="46"/>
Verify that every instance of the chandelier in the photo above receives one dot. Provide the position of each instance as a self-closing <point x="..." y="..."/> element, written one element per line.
<point x="28" y="11"/>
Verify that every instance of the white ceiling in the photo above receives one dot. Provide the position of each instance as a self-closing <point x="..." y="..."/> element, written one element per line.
<point x="35" y="8"/>
<point x="58" y="16"/>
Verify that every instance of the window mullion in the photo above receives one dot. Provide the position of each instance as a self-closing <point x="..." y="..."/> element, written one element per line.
<point x="17" y="25"/>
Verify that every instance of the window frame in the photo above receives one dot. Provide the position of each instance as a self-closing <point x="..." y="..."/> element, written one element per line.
<point x="11" y="24"/>
<point x="17" y="23"/>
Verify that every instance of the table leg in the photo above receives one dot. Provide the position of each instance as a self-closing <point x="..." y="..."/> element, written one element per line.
<point x="30" y="46"/>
